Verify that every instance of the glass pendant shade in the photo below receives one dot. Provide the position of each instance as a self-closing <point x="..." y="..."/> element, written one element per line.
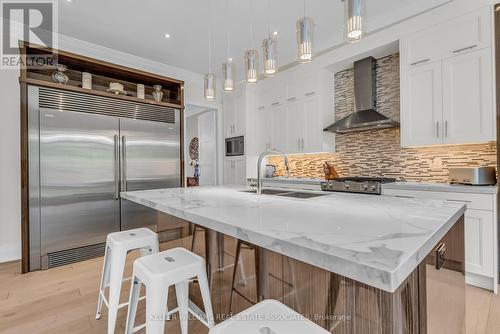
<point x="209" y="86"/>
<point x="305" y="34"/>
<point x="228" y="75"/>
<point x="251" y="65"/>
<point x="270" y="52"/>
<point x="355" y="20"/>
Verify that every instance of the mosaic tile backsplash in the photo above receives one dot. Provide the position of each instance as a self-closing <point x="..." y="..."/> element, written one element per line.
<point x="378" y="152"/>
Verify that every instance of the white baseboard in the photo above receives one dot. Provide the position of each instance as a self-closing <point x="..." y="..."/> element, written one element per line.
<point x="480" y="281"/>
<point x="10" y="252"/>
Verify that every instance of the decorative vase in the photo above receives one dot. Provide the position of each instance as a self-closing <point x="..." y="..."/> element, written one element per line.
<point x="157" y="93"/>
<point x="59" y="76"/>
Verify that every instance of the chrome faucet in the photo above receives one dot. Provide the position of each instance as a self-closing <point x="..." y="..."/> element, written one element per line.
<point x="259" y="166"/>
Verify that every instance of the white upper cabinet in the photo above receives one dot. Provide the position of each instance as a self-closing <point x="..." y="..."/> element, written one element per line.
<point x="279" y="128"/>
<point x="298" y="89"/>
<point x="263" y="134"/>
<point x="295" y="125"/>
<point x="289" y="112"/>
<point x="270" y="93"/>
<point x="229" y="114"/>
<point x="467" y="99"/>
<point x="234" y="112"/>
<point x="422" y="105"/>
<point x="447" y="85"/>
<point x="471" y="31"/>
<point x="313" y="139"/>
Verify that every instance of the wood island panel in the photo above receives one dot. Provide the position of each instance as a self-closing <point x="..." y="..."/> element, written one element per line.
<point x="337" y="303"/>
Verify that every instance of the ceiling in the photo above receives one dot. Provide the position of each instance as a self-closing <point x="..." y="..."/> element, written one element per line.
<point x="138" y="27"/>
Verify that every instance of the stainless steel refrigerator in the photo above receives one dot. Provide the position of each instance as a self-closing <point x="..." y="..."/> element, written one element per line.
<point x="83" y="151"/>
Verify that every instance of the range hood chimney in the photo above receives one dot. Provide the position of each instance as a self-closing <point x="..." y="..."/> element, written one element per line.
<point x="365" y="116"/>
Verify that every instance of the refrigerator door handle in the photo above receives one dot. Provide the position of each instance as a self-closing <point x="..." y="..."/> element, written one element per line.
<point x="124" y="164"/>
<point x="117" y="168"/>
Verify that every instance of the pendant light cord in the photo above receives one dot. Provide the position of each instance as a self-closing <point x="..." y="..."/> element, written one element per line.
<point x="209" y="38"/>
<point x="227" y="30"/>
<point x="269" y="17"/>
<point x="251" y="25"/>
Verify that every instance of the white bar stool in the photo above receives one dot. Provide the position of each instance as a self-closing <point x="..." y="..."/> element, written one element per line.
<point x="268" y="317"/>
<point x="118" y="244"/>
<point x="160" y="271"/>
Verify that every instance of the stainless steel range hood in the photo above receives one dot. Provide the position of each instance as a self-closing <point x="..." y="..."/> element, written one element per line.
<point x="365" y="116"/>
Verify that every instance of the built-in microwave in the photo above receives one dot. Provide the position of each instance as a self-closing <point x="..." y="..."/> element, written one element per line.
<point x="235" y="146"/>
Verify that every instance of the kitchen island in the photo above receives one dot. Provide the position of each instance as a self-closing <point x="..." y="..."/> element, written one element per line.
<point x="353" y="263"/>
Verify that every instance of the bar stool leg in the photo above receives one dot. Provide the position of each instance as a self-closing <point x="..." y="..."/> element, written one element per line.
<point x="233" y="281"/>
<point x="104" y="282"/>
<point x="194" y="237"/>
<point x="182" y="293"/>
<point x="115" y="281"/>
<point x="205" y="295"/>
<point x="156" y="308"/>
<point x="133" y="301"/>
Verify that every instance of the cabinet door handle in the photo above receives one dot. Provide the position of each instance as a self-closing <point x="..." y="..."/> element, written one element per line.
<point x="117" y="167"/>
<point x="402" y="196"/>
<point x="298" y="143"/>
<point x="302" y="143"/>
<point x="261" y="108"/>
<point x="275" y="103"/>
<point x="309" y="94"/>
<point x="465" y="49"/>
<point x="437" y="129"/>
<point x="440" y="255"/>
<point x="446" y="129"/>
<point x="420" y="62"/>
<point x="291" y="99"/>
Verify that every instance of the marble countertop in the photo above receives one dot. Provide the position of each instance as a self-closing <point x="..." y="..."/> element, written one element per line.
<point x="376" y="240"/>
<point x="445" y="187"/>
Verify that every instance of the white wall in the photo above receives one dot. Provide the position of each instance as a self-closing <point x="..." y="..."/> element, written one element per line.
<point x="10" y="192"/>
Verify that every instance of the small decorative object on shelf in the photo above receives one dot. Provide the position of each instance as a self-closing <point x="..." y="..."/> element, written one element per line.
<point x="140" y="91"/>
<point x="157" y="93"/>
<point x="59" y="76"/>
<point x="117" y="88"/>
<point x="86" y="80"/>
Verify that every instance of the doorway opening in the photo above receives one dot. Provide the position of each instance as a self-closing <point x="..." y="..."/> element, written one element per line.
<point x="200" y="149"/>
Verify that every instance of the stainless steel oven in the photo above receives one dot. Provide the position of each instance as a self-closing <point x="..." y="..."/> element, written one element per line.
<point x="235" y="146"/>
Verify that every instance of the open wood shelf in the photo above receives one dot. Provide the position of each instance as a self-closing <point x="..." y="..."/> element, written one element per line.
<point x="103" y="73"/>
<point x="76" y="89"/>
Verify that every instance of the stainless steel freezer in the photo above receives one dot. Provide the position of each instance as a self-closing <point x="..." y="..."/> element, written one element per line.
<point x="149" y="160"/>
<point x="83" y="150"/>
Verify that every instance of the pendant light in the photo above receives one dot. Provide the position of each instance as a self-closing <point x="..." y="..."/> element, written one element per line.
<point x="251" y="56"/>
<point x="305" y="30"/>
<point x="354" y="20"/>
<point x="209" y="78"/>
<point x="228" y="66"/>
<point x="270" y="49"/>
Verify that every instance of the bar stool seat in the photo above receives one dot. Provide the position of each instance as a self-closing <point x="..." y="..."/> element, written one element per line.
<point x="160" y="271"/>
<point x="268" y="317"/>
<point x="118" y="244"/>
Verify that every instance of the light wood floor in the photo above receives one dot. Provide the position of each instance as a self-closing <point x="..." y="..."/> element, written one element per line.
<point x="63" y="300"/>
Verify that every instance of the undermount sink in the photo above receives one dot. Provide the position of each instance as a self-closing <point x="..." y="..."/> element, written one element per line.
<point x="304" y="195"/>
<point x="285" y="193"/>
<point x="266" y="191"/>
